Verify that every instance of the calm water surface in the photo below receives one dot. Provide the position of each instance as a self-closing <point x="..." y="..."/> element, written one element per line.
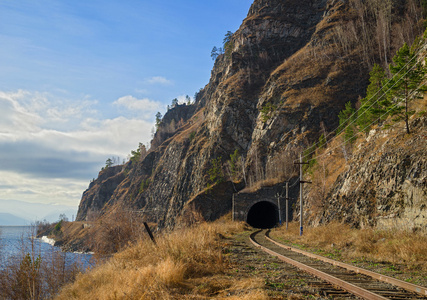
<point x="15" y="240"/>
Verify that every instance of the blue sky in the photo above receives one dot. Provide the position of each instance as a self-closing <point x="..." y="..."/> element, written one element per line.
<point x="81" y="81"/>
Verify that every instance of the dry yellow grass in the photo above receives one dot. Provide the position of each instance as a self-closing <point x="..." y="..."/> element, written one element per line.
<point x="394" y="246"/>
<point x="175" y="268"/>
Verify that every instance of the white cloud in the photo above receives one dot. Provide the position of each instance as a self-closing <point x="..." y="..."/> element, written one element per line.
<point x="145" y="107"/>
<point x="159" y="80"/>
<point x="16" y="114"/>
<point x="51" y="148"/>
<point x="37" y="190"/>
<point x="183" y="99"/>
<point x="25" y="111"/>
<point x="141" y="91"/>
<point x="74" y="125"/>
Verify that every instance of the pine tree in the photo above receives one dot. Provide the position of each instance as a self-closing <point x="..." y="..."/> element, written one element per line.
<point x="372" y="106"/>
<point x="214" y="53"/>
<point x="158" y="119"/>
<point x="347" y="118"/>
<point x="228" y="44"/>
<point x="109" y="163"/>
<point x="233" y="163"/>
<point x="215" y="172"/>
<point x="406" y="86"/>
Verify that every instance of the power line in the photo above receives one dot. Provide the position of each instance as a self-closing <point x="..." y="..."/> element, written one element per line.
<point x="358" y="116"/>
<point x="348" y="139"/>
<point x="356" y="112"/>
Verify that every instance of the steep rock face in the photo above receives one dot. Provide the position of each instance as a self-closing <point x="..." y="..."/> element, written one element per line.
<point x="99" y="192"/>
<point x="385" y="183"/>
<point x="282" y="83"/>
<point x="227" y="110"/>
<point x="272" y="33"/>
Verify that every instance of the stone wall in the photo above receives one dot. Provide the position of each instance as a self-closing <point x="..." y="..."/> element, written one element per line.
<point x="244" y="201"/>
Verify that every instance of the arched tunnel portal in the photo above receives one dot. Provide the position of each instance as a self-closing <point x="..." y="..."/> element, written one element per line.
<point x="263" y="215"/>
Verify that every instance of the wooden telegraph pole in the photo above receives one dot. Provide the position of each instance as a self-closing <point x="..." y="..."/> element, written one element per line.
<point x="287" y="203"/>
<point x="301" y="182"/>
<point x="280" y="210"/>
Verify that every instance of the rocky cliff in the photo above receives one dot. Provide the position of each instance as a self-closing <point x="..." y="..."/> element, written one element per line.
<point x="290" y="68"/>
<point x="385" y="182"/>
<point x="98" y="191"/>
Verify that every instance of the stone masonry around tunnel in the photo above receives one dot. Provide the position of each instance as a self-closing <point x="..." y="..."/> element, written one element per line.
<point x="260" y="209"/>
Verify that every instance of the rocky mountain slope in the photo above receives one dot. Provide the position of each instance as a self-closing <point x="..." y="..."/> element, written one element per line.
<point x="288" y="71"/>
<point x="384" y="184"/>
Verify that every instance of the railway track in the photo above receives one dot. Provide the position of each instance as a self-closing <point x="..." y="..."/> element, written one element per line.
<point x="340" y="278"/>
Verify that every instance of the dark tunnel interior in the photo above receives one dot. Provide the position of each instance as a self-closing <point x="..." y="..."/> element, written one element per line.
<point x="263" y="215"/>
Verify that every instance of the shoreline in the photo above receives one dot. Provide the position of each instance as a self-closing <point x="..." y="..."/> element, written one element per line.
<point x="68" y="236"/>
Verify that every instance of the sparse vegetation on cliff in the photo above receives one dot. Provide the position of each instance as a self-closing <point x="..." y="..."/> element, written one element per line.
<point x="388" y="97"/>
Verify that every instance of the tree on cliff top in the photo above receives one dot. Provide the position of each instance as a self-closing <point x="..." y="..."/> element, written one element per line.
<point x="228" y="44"/>
<point x="109" y="163"/>
<point x="158" y="119"/>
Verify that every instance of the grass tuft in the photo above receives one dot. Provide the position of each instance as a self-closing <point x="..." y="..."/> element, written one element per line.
<point x="184" y="263"/>
<point x="341" y="241"/>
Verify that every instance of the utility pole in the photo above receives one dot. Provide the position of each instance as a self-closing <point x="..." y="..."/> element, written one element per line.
<point x="280" y="210"/>
<point x="287" y="203"/>
<point x="301" y="182"/>
<point x="300" y="195"/>
<point x="232" y="208"/>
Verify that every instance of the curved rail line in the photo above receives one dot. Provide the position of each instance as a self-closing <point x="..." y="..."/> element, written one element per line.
<point x="358" y="281"/>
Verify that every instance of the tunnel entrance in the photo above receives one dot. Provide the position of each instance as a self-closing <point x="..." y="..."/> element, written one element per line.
<point x="263" y="215"/>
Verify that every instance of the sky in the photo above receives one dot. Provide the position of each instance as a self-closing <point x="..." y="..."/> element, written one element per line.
<point x="81" y="81"/>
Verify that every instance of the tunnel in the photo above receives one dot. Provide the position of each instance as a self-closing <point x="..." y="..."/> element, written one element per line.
<point x="263" y="215"/>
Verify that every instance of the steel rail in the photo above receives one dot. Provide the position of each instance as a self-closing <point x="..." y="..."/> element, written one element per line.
<point x="358" y="291"/>
<point x="405" y="285"/>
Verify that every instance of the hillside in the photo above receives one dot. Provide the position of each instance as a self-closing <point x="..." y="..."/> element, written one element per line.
<point x="284" y="77"/>
<point x="11" y="220"/>
<point x="383" y="183"/>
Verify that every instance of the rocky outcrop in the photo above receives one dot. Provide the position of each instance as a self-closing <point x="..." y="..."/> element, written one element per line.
<point x="281" y="84"/>
<point x="210" y="204"/>
<point x="99" y="192"/>
<point x="385" y="183"/>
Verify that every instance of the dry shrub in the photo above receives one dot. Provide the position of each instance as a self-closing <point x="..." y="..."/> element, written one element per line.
<point x="189" y="217"/>
<point x="115" y="230"/>
<point x="163" y="271"/>
<point x="394" y="246"/>
<point x="30" y="275"/>
<point x="277" y="168"/>
<point x="330" y="163"/>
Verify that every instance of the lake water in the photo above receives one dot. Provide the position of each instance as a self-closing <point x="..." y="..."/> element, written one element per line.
<point x="15" y="240"/>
